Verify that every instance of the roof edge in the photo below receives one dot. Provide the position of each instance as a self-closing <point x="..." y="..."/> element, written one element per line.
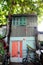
<point x="25" y="15"/>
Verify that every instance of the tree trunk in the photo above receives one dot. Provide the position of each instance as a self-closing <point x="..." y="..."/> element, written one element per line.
<point x="9" y="32"/>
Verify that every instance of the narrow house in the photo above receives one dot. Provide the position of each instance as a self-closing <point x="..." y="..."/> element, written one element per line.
<point x="23" y="34"/>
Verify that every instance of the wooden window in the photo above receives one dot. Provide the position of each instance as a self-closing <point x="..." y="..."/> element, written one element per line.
<point x="23" y="21"/>
<point x="13" y="21"/>
<point x="19" y="21"/>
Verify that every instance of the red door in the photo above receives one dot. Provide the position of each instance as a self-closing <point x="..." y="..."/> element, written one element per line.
<point x="14" y="49"/>
<point x="17" y="49"/>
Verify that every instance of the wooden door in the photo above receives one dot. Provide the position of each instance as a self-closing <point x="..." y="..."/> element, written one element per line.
<point x="14" y="49"/>
<point x="17" y="50"/>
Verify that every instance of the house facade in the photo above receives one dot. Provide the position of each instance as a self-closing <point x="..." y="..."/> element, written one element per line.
<point x="23" y="32"/>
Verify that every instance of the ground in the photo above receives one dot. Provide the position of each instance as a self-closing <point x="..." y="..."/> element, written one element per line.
<point x="19" y="64"/>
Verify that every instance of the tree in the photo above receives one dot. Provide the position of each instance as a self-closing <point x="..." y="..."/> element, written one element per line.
<point x="19" y="7"/>
<point x="10" y="7"/>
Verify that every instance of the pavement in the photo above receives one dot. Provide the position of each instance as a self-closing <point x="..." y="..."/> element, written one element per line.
<point x="19" y="64"/>
<point x="16" y="63"/>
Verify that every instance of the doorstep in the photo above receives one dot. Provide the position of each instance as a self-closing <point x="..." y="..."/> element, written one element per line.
<point x="13" y="63"/>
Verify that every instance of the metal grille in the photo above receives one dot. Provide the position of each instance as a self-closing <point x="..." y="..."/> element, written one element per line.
<point x="18" y="31"/>
<point x="22" y="31"/>
<point x="30" y="31"/>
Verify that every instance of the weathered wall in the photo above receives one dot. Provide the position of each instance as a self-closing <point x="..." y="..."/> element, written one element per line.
<point x="23" y="30"/>
<point x="32" y="21"/>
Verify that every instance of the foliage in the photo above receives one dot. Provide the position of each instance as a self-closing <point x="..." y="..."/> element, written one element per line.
<point x="1" y="36"/>
<point x="1" y="49"/>
<point x="19" y="7"/>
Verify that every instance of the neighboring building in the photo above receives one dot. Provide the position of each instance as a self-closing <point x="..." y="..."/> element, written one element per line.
<point x="23" y="33"/>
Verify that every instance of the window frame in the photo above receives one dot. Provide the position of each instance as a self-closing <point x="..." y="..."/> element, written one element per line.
<point x="15" y="20"/>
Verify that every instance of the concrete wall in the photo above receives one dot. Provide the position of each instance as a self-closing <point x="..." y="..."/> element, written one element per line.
<point x="32" y="21"/>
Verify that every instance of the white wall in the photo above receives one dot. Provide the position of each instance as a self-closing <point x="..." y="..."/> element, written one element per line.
<point x="40" y="37"/>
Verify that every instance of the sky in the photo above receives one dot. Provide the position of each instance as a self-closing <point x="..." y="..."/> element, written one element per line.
<point x="40" y="26"/>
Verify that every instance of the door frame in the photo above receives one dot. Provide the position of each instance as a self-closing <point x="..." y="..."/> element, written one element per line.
<point x="15" y="59"/>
